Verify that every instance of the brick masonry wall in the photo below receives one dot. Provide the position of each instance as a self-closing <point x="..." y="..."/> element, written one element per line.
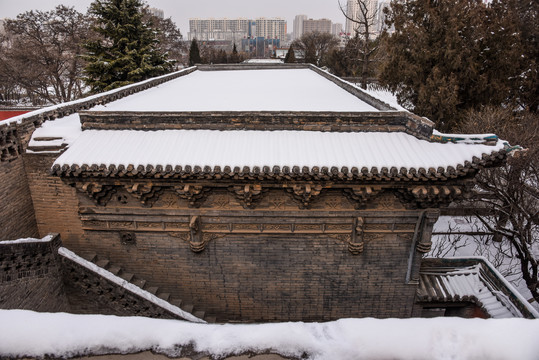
<point x="55" y="203"/>
<point x="259" y="276"/>
<point x="30" y="277"/>
<point x="270" y="278"/>
<point x="16" y="210"/>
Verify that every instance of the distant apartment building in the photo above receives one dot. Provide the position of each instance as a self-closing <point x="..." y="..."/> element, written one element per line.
<point x="336" y="29"/>
<point x="236" y="29"/>
<point x="321" y="25"/>
<point x="356" y="15"/>
<point x="157" y="12"/>
<point x="298" y="26"/>
<point x="274" y="28"/>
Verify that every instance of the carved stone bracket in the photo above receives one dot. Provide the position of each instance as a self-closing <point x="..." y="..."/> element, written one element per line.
<point x="99" y="193"/>
<point x="194" y="194"/>
<point x="425" y="242"/>
<point x="361" y="194"/>
<point x="196" y="242"/>
<point x="425" y="196"/>
<point x="248" y="194"/>
<point x="305" y="194"/>
<point x="147" y="194"/>
<point x="355" y="246"/>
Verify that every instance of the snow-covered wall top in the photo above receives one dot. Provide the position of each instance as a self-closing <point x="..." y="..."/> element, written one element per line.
<point x="250" y="90"/>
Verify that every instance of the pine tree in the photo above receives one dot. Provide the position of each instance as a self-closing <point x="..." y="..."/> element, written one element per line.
<point x="449" y="56"/>
<point x="234" y="57"/>
<point x="290" y="57"/>
<point x="125" y="49"/>
<point x="194" y="53"/>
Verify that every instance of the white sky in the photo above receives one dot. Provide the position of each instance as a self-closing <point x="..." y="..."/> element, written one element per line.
<point x="181" y="10"/>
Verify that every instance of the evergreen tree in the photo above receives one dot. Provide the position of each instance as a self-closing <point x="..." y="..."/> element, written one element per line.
<point x="234" y="57"/>
<point x="194" y="53"/>
<point x="290" y="57"/>
<point x="125" y="49"/>
<point x="448" y="56"/>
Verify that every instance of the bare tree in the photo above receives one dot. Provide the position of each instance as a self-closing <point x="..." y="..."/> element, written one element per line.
<point x="364" y="17"/>
<point x="507" y="198"/>
<point x="41" y="53"/>
<point x="315" y="46"/>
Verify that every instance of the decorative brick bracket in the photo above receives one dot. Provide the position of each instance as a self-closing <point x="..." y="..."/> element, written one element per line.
<point x="305" y="194"/>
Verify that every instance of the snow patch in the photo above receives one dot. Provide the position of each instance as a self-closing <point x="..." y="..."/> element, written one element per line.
<point x="27" y="333"/>
<point x="27" y="240"/>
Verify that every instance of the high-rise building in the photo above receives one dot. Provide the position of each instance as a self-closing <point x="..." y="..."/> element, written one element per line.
<point x="336" y="29"/>
<point x="356" y="15"/>
<point x="236" y="29"/>
<point x="157" y="12"/>
<point x="274" y="28"/>
<point x="298" y="26"/>
<point x="321" y="25"/>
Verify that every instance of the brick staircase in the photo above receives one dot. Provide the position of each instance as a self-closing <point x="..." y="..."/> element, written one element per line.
<point x="140" y="283"/>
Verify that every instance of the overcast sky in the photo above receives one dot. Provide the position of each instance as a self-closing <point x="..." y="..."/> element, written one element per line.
<point x="181" y="10"/>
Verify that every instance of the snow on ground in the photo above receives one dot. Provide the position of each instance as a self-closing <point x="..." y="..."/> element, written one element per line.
<point x="248" y="90"/>
<point x="27" y="333"/>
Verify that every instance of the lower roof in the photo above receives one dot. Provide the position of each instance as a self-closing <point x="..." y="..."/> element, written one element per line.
<point x="391" y="152"/>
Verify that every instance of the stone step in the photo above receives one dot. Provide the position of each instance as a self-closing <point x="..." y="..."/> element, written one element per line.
<point x="127" y="276"/>
<point x="116" y="270"/>
<point x="91" y="257"/>
<point x="138" y="282"/>
<point x="152" y="289"/>
<point x="164" y="296"/>
<point x="141" y="283"/>
<point x="102" y="263"/>
<point x="188" y="308"/>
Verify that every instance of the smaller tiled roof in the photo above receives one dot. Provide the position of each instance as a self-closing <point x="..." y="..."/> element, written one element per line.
<point x="350" y="156"/>
<point x="471" y="280"/>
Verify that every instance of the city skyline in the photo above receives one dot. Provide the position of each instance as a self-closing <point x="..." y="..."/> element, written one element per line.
<point x="181" y="10"/>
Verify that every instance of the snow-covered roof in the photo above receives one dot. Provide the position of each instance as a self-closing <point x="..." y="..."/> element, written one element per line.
<point x="394" y="154"/>
<point x="471" y="280"/>
<point x="271" y="89"/>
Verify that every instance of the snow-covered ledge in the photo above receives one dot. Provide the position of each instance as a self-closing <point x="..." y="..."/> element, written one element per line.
<point x="128" y="286"/>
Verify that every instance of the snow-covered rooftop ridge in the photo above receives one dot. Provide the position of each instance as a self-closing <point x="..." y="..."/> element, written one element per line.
<point x="80" y="103"/>
<point x="128" y="286"/>
<point x="28" y="240"/>
<point x="31" y="334"/>
<point x="268" y="149"/>
<point x="472" y="278"/>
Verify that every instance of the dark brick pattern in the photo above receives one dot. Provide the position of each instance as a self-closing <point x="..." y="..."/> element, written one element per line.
<point x="30" y="277"/>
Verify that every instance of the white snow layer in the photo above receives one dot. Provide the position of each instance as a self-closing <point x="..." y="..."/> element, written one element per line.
<point x="249" y="90"/>
<point x="27" y="333"/>
<point x="128" y="286"/>
<point x="27" y="240"/>
<point x="266" y="148"/>
<point x="57" y="132"/>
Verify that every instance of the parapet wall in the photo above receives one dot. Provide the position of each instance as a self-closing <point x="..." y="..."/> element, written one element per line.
<point x="30" y="275"/>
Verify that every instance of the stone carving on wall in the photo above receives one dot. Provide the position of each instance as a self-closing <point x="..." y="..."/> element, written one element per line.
<point x="194" y="194"/>
<point x="248" y="195"/>
<point x="99" y="193"/>
<point x="305" y="194"/>
<point x="146" y="193"/>
<point x="360" y="195"/>
<point x="355" y="245"/>
<point x="128" y="238"/>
